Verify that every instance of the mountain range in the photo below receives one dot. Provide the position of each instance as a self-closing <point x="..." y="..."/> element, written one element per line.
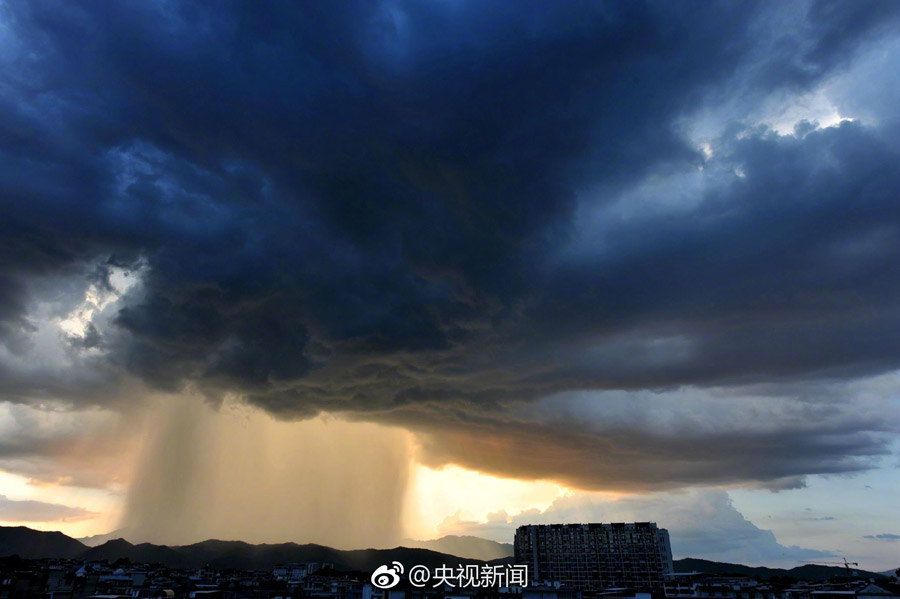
<point x="465" y="546"/>
<point x="461" y="546"/>
<point x="804" y="572"/>
<point x="28" y="543"/>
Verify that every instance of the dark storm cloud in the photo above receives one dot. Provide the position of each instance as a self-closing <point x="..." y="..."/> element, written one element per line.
<point x="803" y="241"/>
<point x="408" y="212"/>
<point x="658" y="440"/>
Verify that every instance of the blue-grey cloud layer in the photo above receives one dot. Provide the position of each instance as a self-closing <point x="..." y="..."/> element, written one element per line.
<point x="886" y="536"/>
<point x="411" y="212"/>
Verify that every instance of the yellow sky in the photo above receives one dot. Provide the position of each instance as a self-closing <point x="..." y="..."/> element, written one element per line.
<point x="107" y="503"/>
<point x="438" y="494"/>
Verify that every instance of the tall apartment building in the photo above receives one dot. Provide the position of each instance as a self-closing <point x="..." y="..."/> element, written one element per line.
<point x="592" y="557"/>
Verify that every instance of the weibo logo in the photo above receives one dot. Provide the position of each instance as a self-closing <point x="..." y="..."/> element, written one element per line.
<point x="386" y="577"/>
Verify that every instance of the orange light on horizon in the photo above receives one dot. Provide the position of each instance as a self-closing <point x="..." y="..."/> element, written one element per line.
<point x="439" y="499"/>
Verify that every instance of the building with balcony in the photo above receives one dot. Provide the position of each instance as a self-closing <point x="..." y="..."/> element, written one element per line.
<point x="593" y="557"/>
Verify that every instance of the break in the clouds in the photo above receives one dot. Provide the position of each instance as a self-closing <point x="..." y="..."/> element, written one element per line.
<point x="523" y="231"/>
<point x="885" y="536"/>
<point x="39" y="511"/>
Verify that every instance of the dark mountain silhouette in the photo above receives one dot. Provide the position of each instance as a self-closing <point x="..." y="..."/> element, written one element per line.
<point x="462" y="546"/>
<point x="94" y="540"/>
<point x="144" y="552"/>
<point x="237" y="554"/>
<point x="805" y="572"/>
<point x="29" y="543"/>
<point x="465" y="546"/>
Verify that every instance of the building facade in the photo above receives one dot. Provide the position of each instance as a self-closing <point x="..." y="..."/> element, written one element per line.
<point x="592" y="557"/>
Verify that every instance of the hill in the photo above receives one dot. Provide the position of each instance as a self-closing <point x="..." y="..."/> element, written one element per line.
<point x="144" y="552"/>
<point x="237" y="554"/>
<point x="94" y="540"/>
<point x="28" y="543"/>
<point x="465" y="546"/>
<point x="461" y="546"/>
<point x="810" y="572"/>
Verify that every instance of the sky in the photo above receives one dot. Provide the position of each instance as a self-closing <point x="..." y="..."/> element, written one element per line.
<point x="356" y="272"/>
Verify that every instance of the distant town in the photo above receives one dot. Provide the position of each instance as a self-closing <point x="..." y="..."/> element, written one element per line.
<point x="557" y="561"/>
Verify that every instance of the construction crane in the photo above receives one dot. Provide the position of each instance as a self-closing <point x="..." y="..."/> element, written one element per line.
<point x="845" y="563"/>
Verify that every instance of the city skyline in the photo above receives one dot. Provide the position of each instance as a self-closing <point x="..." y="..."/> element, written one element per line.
<point x="350" y="273"/>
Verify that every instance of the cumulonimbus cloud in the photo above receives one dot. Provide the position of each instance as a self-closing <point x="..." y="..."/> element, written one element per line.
<point x="443" y="216"/>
